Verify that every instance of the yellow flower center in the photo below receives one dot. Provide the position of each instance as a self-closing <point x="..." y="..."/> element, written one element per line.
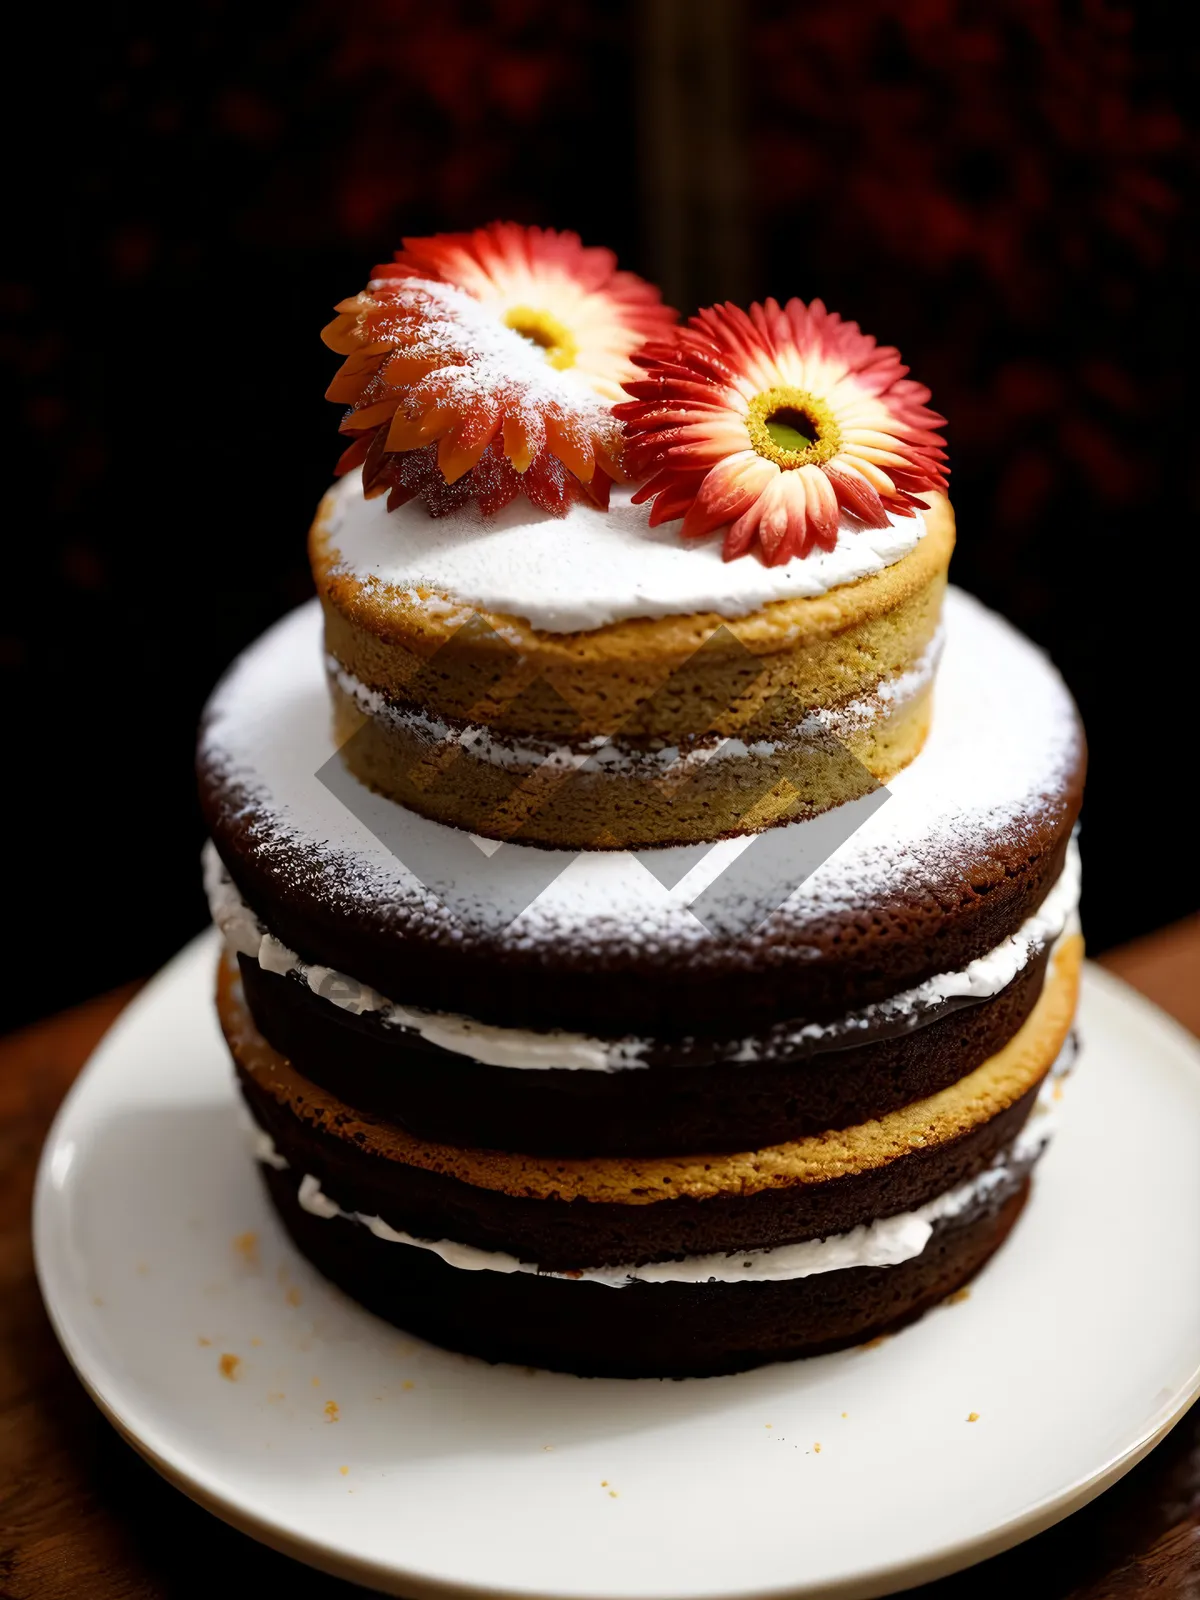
<point x="547" y="332"/>
<point x="793" y="428"/>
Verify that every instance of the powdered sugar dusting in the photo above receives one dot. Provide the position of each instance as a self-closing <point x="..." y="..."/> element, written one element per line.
<point x="586" y="569"/>
<point x="481" y="363"/>
<point x="1004" y="743"/>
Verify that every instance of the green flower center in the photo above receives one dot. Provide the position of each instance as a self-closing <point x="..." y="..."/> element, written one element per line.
<point x="793" y="428"/>
<point x="546" y="332"/>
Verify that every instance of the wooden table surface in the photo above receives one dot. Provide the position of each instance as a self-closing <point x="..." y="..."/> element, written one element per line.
<point x="82" y="1517"/>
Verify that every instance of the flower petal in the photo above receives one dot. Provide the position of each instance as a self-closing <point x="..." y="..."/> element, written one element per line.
<point x="782" y="522"/>
<point x="821" y="506"/>
<point x="462" y="447"/>
<point x="741" y="534"/>
<point x="860" y="499"/>
<point x="729" y="489"/>
<point x="670" y="504"/>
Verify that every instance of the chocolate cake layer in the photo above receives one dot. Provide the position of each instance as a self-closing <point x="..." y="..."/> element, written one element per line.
<point x="819" y="972"/>
<point x="568" y="1235"/>
<point x="566" y="1216"/>
<point x="677" y="1102"/>
<point x="972" y="837"/>
<point x="670" y="1330"/>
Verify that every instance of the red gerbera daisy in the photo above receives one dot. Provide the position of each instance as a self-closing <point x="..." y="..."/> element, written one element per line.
<point x="503" y="349"/>
<point x="773" y="422"/>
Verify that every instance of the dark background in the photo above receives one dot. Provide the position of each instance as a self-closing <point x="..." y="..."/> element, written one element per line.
<point x="999" y="189"/>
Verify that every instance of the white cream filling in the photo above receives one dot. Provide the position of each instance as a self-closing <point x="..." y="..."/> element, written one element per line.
<point x="527" y="1048"/>
<point x="987" y="975"/>
<point x="612" y="754"/>
<point x="884" y="1243"/>
<point x="262" y="1147"/>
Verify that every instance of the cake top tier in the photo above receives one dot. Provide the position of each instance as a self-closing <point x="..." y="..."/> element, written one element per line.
<point x="585" y="569"/>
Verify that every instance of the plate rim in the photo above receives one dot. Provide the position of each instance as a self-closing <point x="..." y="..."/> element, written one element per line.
<point x="868" y="1584"/>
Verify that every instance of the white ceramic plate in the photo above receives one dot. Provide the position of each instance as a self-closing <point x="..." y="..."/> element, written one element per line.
<point x="334" y="1437"/>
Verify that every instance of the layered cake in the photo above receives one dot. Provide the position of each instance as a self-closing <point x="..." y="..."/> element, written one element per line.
<point x="648" y="893"/>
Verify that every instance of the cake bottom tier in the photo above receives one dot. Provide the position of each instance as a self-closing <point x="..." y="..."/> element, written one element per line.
<point x="659" y="1330"/>
<point x="675" y="1267"/>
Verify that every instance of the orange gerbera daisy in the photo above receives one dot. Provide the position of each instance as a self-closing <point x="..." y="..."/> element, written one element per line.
<point x="501" y="349"/>
<point x="773" y="422"/>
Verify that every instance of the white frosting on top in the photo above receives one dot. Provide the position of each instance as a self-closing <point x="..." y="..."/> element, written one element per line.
<point x="588" y="568"/>
<point x="993" y="770"/>
<point x="883" y="1243"/>
<point x="528" y="1048"/>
